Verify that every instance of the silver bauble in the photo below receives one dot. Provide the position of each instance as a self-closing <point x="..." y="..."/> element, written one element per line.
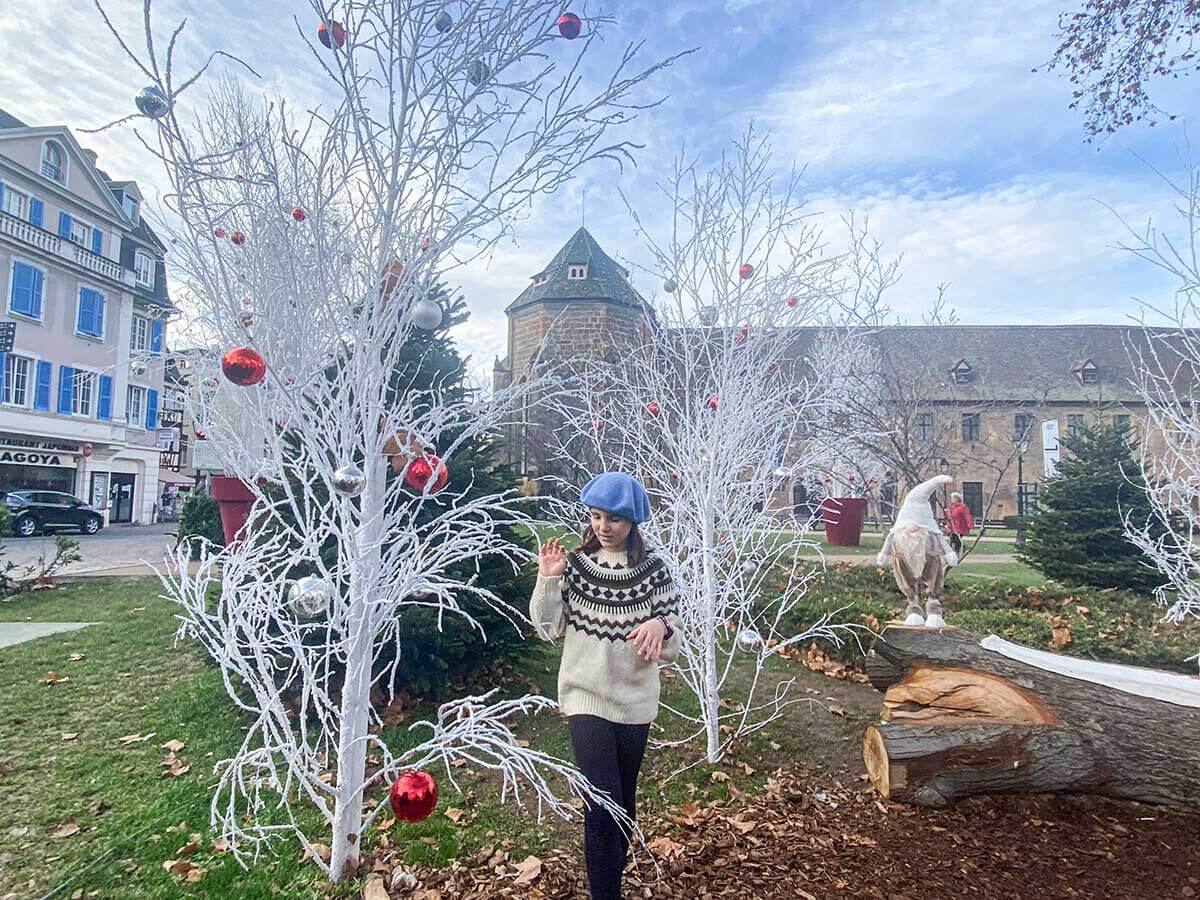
<point x="749" y="641"/>
<point x="152" y="102"/>
<point x="670" y="286"/>
<point x="310" y="595"/>
<point x="781" y="472"/>
<point x="709" y="315"/>
<point x="749" y="567"/>
<point x="427" y="314"/>
<point x="349" y="480"/>
<point x="478" y="73"/>
<point x="442" y="22"/>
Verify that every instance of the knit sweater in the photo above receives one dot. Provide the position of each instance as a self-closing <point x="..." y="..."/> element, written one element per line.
<point x="595" y="605"/>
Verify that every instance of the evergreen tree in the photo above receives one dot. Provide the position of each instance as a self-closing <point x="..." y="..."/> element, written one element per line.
<point x="1077" y="534"/>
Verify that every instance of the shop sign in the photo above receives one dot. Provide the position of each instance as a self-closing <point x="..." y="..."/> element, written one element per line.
<point x="8" y="334"/>
<point x="17" y="457"/>
<point x="168" y="439"/>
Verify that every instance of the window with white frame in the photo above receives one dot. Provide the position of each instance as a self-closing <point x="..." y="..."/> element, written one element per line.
<point x="135" y="406"/>
<point x="131" y="206"/>
<point x="54" y="161"/>
<point x="143" y="265"/>
<point x="15" y="203"/>
<point x="139" y="334"/>
<point x="83" y="392"/>
<point x="81" y="233"/>
<point x="17" y="372"/>
<point x="577" y="273"/>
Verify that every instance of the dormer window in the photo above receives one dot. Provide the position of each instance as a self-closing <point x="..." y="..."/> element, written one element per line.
<point x="540" y="278"/>
<point x="1088" y="372"/>
<point x="577" y="272"/>
<point x="143" y="267"/>
<point x="962" y="373"/>
<point x="54" y="162"/>
<point x="130" y="205"/>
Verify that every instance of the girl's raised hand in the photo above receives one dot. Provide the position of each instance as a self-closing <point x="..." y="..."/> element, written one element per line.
<point x="552" y="559"/>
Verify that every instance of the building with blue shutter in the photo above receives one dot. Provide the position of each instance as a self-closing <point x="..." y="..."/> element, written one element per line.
<point x="82" y="275"/>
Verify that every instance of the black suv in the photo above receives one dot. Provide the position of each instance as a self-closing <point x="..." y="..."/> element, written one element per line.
<point x="34" y="511"/>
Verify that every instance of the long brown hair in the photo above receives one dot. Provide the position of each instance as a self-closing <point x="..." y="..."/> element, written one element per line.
<point x="635" y="549"/>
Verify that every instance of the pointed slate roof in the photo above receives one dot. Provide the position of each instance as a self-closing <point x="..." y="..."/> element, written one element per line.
<point x="8" y="120"/>
<point x="606" y="279"/>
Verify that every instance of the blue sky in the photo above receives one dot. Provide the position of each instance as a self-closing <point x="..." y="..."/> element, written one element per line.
<point x="923" y="115"/>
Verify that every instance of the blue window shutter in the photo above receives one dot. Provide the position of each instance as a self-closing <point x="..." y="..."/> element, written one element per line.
<point x="35" y="212"/>
<point x="22" y="289"/>
<point x="35" y="292"/>
<point x="97" y="241"/>
<point x="152" y="409"/>
<point x="64" y="225"/>
<point x="87" y="303"/>
<point x="1" y="195"/>
<point x="65" y="375"/>
<point x="104" y="404"/>
<point x="156" y="335"/>
<point x="41" y="386"/>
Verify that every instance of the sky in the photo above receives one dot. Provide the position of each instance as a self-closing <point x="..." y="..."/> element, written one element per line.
<point x="923" y="115"/>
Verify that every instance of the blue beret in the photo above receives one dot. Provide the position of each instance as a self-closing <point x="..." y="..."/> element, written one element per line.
<point x="617" y="493"/>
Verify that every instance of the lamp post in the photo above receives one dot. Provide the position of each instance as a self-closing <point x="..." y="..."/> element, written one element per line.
<point x="1021" y="446"/>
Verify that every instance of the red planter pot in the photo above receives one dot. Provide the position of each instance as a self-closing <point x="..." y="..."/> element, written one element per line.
<point x="843" y="518"/>
<point x="234" y="499"/>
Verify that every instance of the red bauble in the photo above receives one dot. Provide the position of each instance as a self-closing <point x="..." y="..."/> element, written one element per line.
<point x="414" y="795"/>
<point x="244" y="366"/>
<point x="850" y="477"/>
<point x="739" y="336"/>
<point x="424" y="243"/>
<point x="237" y="238"/>
<point x="652" y="407"/>
<point x="298" y="214"/>
<point x="331" y="34"/>
<point x="772" y="366"/>
<point x="199" y="433"/>
<point x="218" y="231"/>
<point x="420" y="471"/>
<point x="793" y="301"/>
<point x="745" y="270"/>
<point x="568" y="25"/>
<point x="597" y="424"/>
<point x="713" y="401"/>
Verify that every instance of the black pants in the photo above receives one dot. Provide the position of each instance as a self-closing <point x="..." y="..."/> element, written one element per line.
<point x="609" y="755"/>
<point x="956" y="541"/>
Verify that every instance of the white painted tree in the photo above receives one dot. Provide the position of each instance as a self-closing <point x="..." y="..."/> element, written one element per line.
<point x="310" y="242"/>
<point x="1166" y="359"/>
<point x="709" y="409"/>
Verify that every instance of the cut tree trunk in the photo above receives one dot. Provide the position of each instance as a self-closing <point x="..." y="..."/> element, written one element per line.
<point x="961" y="719"/>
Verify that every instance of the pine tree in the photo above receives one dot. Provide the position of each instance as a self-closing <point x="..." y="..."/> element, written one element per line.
<point x="1077" y="534"/>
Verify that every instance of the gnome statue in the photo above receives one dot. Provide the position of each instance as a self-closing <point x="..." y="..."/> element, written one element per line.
<point x="919" y="555"/>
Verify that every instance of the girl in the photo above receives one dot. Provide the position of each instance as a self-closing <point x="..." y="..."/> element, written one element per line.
<point x="958" y="521"/>
<point x="618" y="610"/>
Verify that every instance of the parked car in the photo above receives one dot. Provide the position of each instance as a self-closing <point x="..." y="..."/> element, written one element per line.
<point x="34" y="511"/>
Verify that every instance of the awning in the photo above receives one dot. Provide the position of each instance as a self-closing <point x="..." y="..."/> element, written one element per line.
<point x="166" y="476"/>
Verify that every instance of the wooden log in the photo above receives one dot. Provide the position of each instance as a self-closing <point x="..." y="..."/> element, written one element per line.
<point x="960" y="719"/>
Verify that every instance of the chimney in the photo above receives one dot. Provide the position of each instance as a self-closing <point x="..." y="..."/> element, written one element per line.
<point x="90" y="154"/>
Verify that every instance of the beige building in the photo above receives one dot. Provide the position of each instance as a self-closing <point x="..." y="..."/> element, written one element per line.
<point x="982" y="403"/>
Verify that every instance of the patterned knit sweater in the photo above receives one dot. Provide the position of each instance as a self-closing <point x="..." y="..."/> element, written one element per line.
<point x="595" y="604"/>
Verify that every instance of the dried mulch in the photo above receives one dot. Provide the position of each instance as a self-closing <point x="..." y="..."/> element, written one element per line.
<point x="802" y="837"/>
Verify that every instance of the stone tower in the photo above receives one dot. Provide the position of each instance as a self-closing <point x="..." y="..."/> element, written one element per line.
<point x="588" y="299"/>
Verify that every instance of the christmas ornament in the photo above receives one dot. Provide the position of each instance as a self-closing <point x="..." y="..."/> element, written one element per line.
<point x="749" y="641"/>
<point x="713" y="401"/>
<point x="781" y="472"/>
<point x="708" y="315"/>
<point x="349" y="480"/>
<point x="749" y="567"/>
<point x="739" y="336"/>
<point x="420" y="471"/>
<point x="138" y="369"/>
<point x="243" y="366"/>
<point x="331" y="34"/>
<point x="219" y="232"/>
<point x="442" y="22"/>
<point x="652" y="408"/>
<point x="478" y="73"/>
<point x="298" y="214"/>
<point x="670" y="286"/>
<point x="792" y="301"/>
<point x="597" y="424"/>
<point x="424" y="243"/>
<point x="152" y="102"/>
<point x="427" y="315"/>
<point x="236" y="237"/>
<point x="568" y="25"/>
<point x="772" y="366"/>
<point x="310" y="595"/>
<point x="247" y="319"/>
<point x="240" y="179"/>
<point x="850" y="477"/>
<point x="199" y="432"/>
<point x="413" y="796"/>
<point x="745" y="270"/>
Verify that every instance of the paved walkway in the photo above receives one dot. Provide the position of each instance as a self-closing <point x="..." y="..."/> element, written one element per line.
<point x="115" y="550"/>
<point x="19" y="632"/>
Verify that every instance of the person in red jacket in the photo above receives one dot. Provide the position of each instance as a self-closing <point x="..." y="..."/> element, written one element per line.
<point x="958" y="521"/>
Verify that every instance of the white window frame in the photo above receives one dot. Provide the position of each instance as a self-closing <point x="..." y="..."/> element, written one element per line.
<point x="12" y="274"/>
<point x="9" y="192"/>
<point x="30" y="380"/>
<point x="133" y="333"/>
<point x="577" y="272"/>
<point x="128" y="200"/>
<point x="103" y="321"/>
<point x="93" y="392"/>
<point x="66" y="161"/>
<point x="138" y="256"/>
<point x="140" y="421"/>
<point x="89" y="230"/>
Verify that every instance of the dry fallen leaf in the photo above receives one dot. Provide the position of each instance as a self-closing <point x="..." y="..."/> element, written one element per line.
<point x="664" y="846"/>
<point x="76" y="657"/>
<point x="1060" y="632"/>
<point x="174" y="746"/>
<point x="220" y="845"/>
<point x="838" y="711"/>
<point x="70" y="735"/>
<point x="66" y="829"/>
<point x="528" y="870"/>
<point x="690" y="814"/>
<point x="453" y="813"/>
<point x="53" y="678"/>
<point x="374" y="888"/>
<point x="321" y="850"/>
<point x="718" y="775"/>
<point x="134" y="738"/>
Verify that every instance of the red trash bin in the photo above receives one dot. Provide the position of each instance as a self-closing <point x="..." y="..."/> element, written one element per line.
<point x="843" y="518"/>
<point x="234" y="499"/>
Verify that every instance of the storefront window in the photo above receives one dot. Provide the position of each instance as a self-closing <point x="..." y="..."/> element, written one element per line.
<point x="45" y="478"/>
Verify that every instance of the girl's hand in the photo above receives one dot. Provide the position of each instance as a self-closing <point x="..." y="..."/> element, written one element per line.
<point x="552" y="559"/>
<point x="649" y="639"/>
